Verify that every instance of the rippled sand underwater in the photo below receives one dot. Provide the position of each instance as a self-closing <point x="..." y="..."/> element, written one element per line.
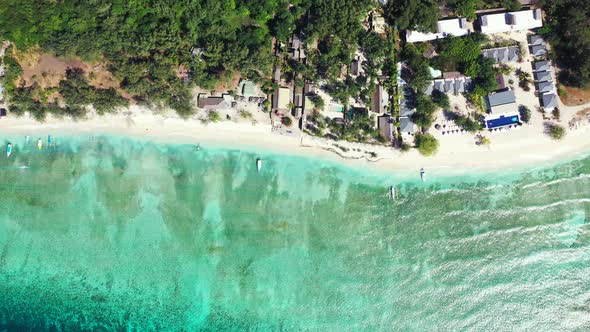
<point x="108" y="233"/>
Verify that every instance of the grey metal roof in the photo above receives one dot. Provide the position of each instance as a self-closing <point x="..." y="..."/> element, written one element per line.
<point x="541" y="76"/>
<point x="439" y="85"/>
<point x="537" y="40"/>
<point x="449" y="86"/>
<point x="545" y="86"/>
<point x="538" y="50"/>
<point x="512" y="53"/>
<point x="406" y="125"/>
<point x="501" y="98"/>
<point x="542" y="65"/>
<point x="501" y="54"/>
<point x="405" y="109"/>
<point x="459" y="85"/>
<point x="549" y="100"/>
<point x="212" y="102"/>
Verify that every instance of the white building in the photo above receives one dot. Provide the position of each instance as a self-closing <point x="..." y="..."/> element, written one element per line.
<point x="444" y="28"/>
<point x="512" y="21"/>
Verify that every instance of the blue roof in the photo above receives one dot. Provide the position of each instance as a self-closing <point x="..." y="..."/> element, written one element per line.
<point x="501" y="121"/>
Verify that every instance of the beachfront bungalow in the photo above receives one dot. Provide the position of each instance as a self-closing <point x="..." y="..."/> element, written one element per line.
<point x="546" y="86"/>
<point x="538" y="50"/>
<point x="460" y="85"/>
<point x="380" y="100"/>
<point x="296" y="51"/>
<point x="444" y="28"/>
<point x="385" y="127"/>
<point x="512" y="21"/>
<point x="501" y="102"/>
<point x="439" y="85"/>
<point x="549" y="101"/>
<point x="281" y="99"/>
<point x="536" y="40"/>
<point x="502" y="54"/>
<point x="542" y="76"/>
<point x="542" y="66"/>
<point x="407" y="127"/>
<point x="213" y="102"/>
<point x="298" y="106"/>
<point x="453" y="85"/>
<point x="450" y="85"/>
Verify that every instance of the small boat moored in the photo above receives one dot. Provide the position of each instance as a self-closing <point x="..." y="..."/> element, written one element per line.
<point x="8" y="150"/>
<point x="423" y="174"/>
<point x="258" y="164"/>
<point x="392" y="193"/>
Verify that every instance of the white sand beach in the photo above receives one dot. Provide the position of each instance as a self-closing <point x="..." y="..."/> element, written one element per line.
<point x="526" y="146"/>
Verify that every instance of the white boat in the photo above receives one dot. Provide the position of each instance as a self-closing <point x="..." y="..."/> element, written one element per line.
<point x="258" y="164"/>
<point x="8" y="150"/>
<point x="39" y="144"/>
<point x="392" y="193"/>
<point x="423" y="174"/>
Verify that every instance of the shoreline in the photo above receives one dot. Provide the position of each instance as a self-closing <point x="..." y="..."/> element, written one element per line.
<point x="525" y="148"/>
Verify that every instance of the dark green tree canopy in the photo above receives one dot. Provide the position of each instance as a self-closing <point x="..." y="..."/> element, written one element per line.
<point x="568" y="31"/>
<point x="420" y="15"/>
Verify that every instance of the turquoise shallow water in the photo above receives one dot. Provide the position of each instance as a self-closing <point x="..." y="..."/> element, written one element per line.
<point x="109" y="233"/>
